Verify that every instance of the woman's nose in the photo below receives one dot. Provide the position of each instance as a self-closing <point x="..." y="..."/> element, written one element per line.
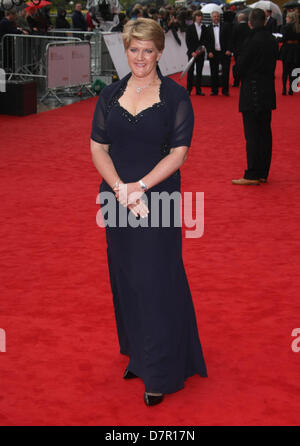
<point x="140" y="55"/>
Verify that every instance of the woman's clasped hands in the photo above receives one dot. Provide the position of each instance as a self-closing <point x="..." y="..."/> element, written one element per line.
<point x="129" y="194"/>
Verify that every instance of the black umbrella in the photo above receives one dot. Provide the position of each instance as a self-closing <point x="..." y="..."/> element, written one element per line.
<point x="291" y="4"/>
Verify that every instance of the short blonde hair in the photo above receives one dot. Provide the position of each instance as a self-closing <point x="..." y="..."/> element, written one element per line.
<point x="144" y="29"/>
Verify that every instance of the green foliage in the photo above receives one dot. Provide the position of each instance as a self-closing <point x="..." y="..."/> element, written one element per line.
<point x="66" y="5"/>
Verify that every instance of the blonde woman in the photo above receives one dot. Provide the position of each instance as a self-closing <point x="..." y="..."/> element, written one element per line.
<point x="142" y="129"/>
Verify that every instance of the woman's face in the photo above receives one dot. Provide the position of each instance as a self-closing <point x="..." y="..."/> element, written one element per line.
<point x="142" y="57"/>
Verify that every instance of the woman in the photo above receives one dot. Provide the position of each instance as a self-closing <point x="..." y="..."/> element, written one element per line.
<point x="142" y="128"/>
<point x="61" y="22"/>
<point x="289" y="52"/>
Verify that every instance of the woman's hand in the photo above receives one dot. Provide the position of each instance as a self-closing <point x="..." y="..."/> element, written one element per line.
<point x="140" y="208"/>
<point x="128" y="193"/>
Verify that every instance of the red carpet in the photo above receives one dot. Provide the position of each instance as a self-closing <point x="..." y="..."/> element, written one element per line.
<point x="62" y="365"/>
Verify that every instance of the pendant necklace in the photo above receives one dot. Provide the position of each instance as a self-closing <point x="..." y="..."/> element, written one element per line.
<point x="139" y="89"/>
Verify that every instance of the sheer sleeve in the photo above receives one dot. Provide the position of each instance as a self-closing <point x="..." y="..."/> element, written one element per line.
<point x="99" y="130"/>
<point x="183" y="125"/>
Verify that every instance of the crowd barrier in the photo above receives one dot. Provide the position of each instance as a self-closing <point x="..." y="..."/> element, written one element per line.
<point x="101" y="62"/>
<point x="24" y="56"/>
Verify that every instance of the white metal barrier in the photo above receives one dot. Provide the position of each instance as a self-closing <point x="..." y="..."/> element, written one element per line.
<point x="101" y="62"/>
<point x="23" y="55"/>
<point x="68" y="65"/>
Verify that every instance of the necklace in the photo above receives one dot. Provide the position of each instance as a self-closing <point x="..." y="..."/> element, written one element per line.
<point x="139" y="89"/>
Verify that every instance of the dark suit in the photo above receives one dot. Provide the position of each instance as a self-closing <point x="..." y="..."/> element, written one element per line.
<point x="255" y="68"/>
<point x="271" y="25"/>
<point x="289" y="53"/>
<point x="219" y="56"/>
<point x="193" y="43"/>
<point x="239" y="35"/>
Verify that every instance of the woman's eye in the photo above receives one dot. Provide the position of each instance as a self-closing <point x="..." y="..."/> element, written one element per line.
<point x="133" y="50"/>
<point x="149" y="51"/>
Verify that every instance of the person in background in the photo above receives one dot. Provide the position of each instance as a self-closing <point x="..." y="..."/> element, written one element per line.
<point x="33" y="20"/>
<point x="78" y="20"/>
<point x="196" y="41"/>
<point x="61" y="21"/>
<point x="219" y="53"/>
<point x="255" y="67"/>
<point x="240" y="33"/>
<point x="289" y="52"/>
<point x="119" y="27"/>
<point x="271" y="23"/>
<point x="137" y="12"/>
<point x="8" y="24"/>
<point x="21" y="19"/>
<point x="163" y="18"/>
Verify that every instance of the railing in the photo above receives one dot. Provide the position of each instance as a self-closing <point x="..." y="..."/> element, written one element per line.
<point x="23" y="55"/>
<point x="101" y="63"/>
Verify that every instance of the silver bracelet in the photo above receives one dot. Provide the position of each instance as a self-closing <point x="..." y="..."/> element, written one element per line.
<point x="143" y="185"/>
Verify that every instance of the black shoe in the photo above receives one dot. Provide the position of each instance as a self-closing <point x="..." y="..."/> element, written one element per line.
<point x="225" y="93"/>
<point x="200" y="93"/>
<point x="290" y="92"/>
<point x="284" y="91"/>
<point x="152" y="400"/>
<point x="129" y="375"/>
<point x="213" y="93"/>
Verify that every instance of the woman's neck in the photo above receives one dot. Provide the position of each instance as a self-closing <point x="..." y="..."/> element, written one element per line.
<point x="141" y="81"/>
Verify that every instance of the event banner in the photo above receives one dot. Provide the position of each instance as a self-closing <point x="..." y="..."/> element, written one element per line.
<point x="68" y="64"/>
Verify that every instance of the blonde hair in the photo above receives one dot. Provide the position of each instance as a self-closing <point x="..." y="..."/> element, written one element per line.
<point x="296" y="22"/>
<point x="144" y="29"/>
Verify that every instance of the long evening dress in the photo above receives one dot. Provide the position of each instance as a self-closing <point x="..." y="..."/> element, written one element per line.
<point x="154" y="312"/>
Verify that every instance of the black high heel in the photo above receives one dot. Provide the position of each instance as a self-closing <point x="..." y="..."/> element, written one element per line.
<point x="152" y="400"/>
<point x="129" y="375"/>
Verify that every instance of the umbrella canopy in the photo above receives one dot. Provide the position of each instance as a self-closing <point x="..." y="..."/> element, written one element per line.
<point x="266" y="5"/>
<point x="236" y="2"/>
<point x="291" y="4"/>
<point x="40" y="5"/>
<point x="210" y="7"/>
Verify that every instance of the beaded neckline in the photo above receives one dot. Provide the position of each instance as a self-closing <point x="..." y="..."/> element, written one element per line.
<point x="135" y="118"/>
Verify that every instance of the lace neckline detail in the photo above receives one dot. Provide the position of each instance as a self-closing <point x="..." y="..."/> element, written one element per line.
<point x="135" y="118"/>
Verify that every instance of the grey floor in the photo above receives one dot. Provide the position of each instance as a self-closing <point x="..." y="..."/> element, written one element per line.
<point x="51" y="103"/>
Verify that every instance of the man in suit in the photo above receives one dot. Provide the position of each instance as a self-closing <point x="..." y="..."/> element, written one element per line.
<point x="255" y="68"/>
<point x="219" y="52"/>
<point x="240" y="32"/>
<point x="196" y="41"/>
<point x="271" y="23"/>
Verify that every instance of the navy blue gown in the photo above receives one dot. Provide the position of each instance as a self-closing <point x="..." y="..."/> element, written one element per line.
<point x="154" y="312"/>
